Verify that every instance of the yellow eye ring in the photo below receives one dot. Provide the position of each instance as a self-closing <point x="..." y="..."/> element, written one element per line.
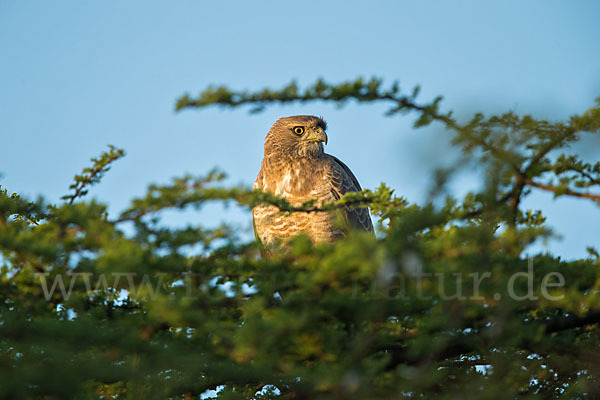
<point x="298" y="130"/>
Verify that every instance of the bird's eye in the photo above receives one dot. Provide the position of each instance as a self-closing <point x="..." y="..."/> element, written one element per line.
<point x="298" y="130"/>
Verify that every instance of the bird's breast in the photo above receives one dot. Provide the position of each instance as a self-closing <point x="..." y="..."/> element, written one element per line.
<point x="287" y="184"/>
<point x="292" y="183"/>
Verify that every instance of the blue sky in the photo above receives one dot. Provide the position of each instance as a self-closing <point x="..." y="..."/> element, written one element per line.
<point x="78" y="75"/>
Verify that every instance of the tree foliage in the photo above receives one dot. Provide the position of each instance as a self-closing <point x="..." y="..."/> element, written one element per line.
<point x="443" y="303"/>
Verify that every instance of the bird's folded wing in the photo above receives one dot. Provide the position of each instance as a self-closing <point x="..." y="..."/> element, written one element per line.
<point x="343" y="181"/>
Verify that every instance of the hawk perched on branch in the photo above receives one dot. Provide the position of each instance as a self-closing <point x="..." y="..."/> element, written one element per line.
<point x="296" y="168"/>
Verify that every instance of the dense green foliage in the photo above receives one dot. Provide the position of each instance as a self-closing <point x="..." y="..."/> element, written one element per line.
<point x="443" y="305"/>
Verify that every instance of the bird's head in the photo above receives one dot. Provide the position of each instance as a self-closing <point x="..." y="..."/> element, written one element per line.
<point x="297" y="136"/>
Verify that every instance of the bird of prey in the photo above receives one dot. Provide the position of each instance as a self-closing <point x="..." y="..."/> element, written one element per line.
<point x="296" y="168"/>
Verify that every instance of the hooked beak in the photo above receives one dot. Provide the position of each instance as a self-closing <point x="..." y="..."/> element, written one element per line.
<point x="317" y="135"/>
